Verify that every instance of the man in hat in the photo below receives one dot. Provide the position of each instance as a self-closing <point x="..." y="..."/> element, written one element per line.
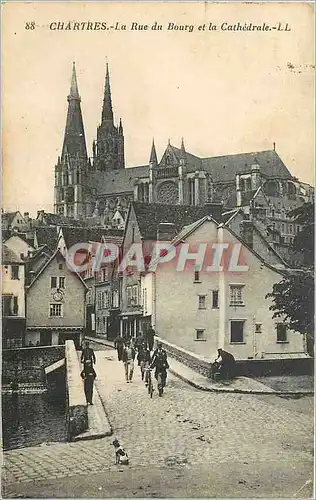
<point x="128" y="357"/>
<point x="88" y="374"/>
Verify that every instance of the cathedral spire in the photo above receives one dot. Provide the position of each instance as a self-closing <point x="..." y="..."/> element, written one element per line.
<point x="74" y="139"/>
<point x="153" y="154"/>
<point x="74" y="93"/>
<point x="107" y="111"/>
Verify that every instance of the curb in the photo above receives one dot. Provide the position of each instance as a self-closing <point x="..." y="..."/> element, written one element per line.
<point x="99" y="433"/>
<point x="240" y="391"/>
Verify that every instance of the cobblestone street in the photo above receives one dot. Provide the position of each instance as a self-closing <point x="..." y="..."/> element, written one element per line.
<point x="204" y="443"/>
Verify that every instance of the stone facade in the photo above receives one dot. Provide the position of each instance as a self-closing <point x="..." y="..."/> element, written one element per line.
<point x="202" y="311"/>
<point x="27" y="365"/>
<point x="55" y="305"/>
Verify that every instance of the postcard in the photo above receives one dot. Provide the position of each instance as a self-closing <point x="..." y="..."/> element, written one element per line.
<point x="157" y="249"/>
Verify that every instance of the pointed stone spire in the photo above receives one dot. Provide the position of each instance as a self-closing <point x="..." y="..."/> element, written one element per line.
<point x="153" y="154"/>
<point x="107" y="111"/>
<point x="183" y="154"/>
<point x="74" y="93"/>
<point x="74" y="139"/>
<point x="120" y="127"/>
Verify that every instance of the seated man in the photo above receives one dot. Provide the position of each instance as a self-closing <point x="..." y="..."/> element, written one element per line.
<point x="227" y="364"/>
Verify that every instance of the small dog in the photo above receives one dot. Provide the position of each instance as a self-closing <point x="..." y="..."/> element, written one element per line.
<point x="121" y="456"/>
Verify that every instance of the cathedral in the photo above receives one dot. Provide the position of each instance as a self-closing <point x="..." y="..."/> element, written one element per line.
<point x="101" y="186"/>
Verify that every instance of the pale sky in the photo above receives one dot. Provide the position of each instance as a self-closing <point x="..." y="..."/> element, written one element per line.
<point x="223" y="91"/>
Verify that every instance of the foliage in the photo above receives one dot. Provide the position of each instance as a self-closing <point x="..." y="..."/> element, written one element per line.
<point x="293" y="297"/>
<point x="304" y="239"/>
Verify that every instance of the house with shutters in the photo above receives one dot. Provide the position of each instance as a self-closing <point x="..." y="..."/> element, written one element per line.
<point x="13" y="298"/>
<point x="205" y="304"/>
<point x="55" y="304"/>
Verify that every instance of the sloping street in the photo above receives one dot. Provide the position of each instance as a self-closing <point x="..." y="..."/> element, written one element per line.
<point x="188" y="442"/>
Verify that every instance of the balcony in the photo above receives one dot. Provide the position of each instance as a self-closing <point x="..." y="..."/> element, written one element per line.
<point x="166" y="172"/>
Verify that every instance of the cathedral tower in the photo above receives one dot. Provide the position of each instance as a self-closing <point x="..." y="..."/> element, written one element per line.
<point x="108" y="151"/>
<point x="72" y="167"/>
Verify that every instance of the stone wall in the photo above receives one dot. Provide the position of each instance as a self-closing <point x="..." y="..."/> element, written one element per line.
<point x="27" y="364"/>
<point x="76" y="407"/>
<point x="246" y="368"/>
<point x="194" y="361"/>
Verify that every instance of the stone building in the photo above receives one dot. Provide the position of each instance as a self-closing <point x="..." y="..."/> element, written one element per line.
<point x="55" y="304"/>
<point x="96" y="187"/>
<point x="225" y="306"/>
<point x="13" y="298"/>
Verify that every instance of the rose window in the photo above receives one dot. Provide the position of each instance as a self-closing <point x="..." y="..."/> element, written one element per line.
<point x="167" y="193"/>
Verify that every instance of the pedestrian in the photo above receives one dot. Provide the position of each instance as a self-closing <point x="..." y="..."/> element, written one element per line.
<point x="160" y="363"/>
<point x="139" y="341"/>
<point x="143" y="359"/>
<point x="119" y="346"/>
<point x="87" y="355"/>
<point x="150" y="338"/>
<point x="88" y="374"/>
<point x="128" y="357"/>
<point x="227" y="364"/>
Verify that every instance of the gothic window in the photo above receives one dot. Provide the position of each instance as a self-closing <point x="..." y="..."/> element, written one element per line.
<point x="291" y="189"/>
<point x="242" y="185"/>
<point x="167" y="193"/>
<point x="78" y="177"/>
<point x="191" y="192"/>
<point x="168" y="160"/>
<point x="141" y="192"/>
<point x="271" y="188"/>
<point x="146" y="193"/>
<point x="248" y="184"/>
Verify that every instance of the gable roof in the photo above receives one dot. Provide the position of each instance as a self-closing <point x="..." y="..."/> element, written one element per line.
<point x="259" y="257"/>
<point x="225" y="168"/>
<point x="22" y="237"/>
<point x="47" y="235"/>
<point x="149" y="216"/>
<point x="51" y="219"/>
<point x="73" y="235"/>
<point x="187" y="230"/>
<point x="10" y="257"/>
<point x="9" y="216"/>
<point x="60" y="255"/>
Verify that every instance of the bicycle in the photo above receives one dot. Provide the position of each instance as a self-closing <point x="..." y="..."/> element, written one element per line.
<point x="149" y="382"/>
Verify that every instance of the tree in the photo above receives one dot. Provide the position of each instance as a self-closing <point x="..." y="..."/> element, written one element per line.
<point x="304" y="239"/>
<point x="293" y="300"/>
<point x="293" y="297"/>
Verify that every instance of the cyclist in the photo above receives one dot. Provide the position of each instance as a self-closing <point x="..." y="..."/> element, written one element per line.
<point x="143" y="359"/>
<point x="160" y="363"/>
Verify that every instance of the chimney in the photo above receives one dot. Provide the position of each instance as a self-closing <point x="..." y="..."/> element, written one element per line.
<point x="166" y="231"/>
<point x="246" y="232"/>
<point x="215" y="210"/>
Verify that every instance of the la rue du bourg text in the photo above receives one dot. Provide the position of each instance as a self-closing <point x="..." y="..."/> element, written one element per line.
<point x="172" y="26"/>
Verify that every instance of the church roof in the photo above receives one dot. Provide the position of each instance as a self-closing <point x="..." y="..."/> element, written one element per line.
<point x="149" y="216"/>
<point x="225" y="168"/>
<point x="118" y="181"/>
<point x="221" y="168"/>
